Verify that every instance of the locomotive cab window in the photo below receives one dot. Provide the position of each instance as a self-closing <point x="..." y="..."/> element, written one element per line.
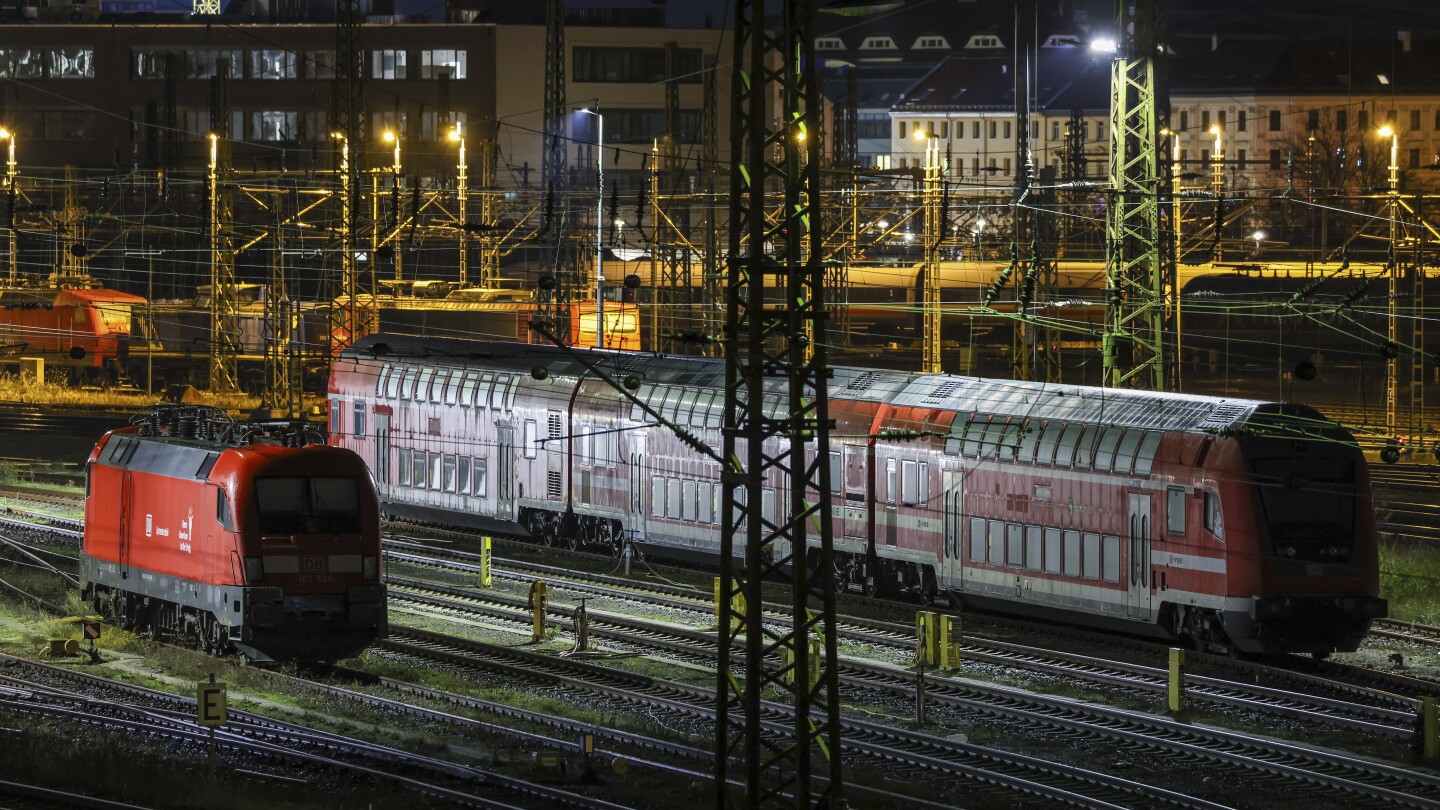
<point x="530" y="438"/>
<point x="222" y="511"/>
<point x="1213" y="521"/>
<point x="1175" y="510"/>
<point x="315" y="505"/>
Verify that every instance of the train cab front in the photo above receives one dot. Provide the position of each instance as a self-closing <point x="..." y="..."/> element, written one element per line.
<point x="1317" y="578"/>
<point x="312" y="569"/>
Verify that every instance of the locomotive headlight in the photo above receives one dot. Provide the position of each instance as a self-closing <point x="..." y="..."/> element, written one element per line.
<point x="1289" y="551"/>
<point x="255" y="569"/>
<point x="368" y="567"/>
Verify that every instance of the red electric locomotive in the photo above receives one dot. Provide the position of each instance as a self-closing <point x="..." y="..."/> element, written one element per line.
<point x="233" y="538"/>
<point x="1235" y="524"/>
<point x="82" y="328"/>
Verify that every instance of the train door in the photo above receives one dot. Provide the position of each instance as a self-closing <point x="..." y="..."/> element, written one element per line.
<point x="127" y="493"/>
<point x="382" y="451"/>
<point x="504" y="472"/>
<point x="1138" y="529"/>
<point x="638" y="486"/>
<point x="953" y="551"/>
<point x="854" y="492"/>
<point x="892" y="518"/>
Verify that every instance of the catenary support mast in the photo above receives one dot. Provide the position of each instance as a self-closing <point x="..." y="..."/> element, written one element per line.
<point x="774" y="298"/>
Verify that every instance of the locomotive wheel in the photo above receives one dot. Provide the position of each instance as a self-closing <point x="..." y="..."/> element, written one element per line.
<point x="872" y="584"/>
<point x="842" y="574"/>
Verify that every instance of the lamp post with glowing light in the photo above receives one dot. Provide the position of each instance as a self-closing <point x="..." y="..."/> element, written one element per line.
<point x="345" y="323"/>
<point x="934" y="231"/>
<point x="599" y="226"/>
<point x="1392" y="327"/>
<point x="1217" y="186"/>
<point x="10" y="179"/>
<point x="379" y="240"/>
<point x="463" y="192"/>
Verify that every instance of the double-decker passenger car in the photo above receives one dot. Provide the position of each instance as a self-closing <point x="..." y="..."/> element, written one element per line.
<point x="1233" y="523"/>
<point x="232" y="539"/>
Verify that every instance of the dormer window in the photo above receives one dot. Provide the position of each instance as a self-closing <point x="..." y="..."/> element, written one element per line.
<point x="878" y="44"/>
<point x="931" y="44"/>
<point x="829" y="44"/>
<point x="984" y="41"/>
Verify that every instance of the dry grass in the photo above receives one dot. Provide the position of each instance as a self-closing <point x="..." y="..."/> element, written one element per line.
<point x="25" y="388"/>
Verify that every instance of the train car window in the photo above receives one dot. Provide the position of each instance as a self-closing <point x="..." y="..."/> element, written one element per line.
<point x="977" y="540"/>
<point x="1214" y="523"/>
<point x="404" y="464"/>
<point x="1085" y="447"/>
<point x="1014" y="544"/>
<point x="1175" y="510"/>
<point x="435" y="479"/>
<point x="970" y="434"/>
<point x="1049" y="437"/>
<point x="1052" y="551"/>
<point x="1125" y="453"/>
<point x="467" y="389"/>
<point x="511" y="387"/>
<point x="1033" y="547"/>
<point x="422" y="388"/>
<point x="657" y="496"/>
<point x="1105" y="451"/>
<point x="417" y="469"/>
<point x="1065" y="449"/>
<point x="996" y="542"/>
<point x="924" y="493"/>
<point x="447" y="473"/>
<point x="380" y="379"/>
<point x="705" y="502"/>
<point x="530" y="439"/>
<point x="206" y="465"/>
<point x="686" y="414"/>
<point x="669" y="404"/>
<point x="837" y="473"/>
<point x="462" y="475"/>
<point x="358" y="429"/>
<point x="672" y="498"/>
<point x="715" y="417"/>
<point x="497" y="393"/>
<point x="700" y="407"/>
<point x="222" y="510"/>
<point x="890" y="482"/>
<point x="478" y="482"/>
<point x="1112" y="558"/>
<point x="768" y="504"/>
<point x="407" y="386"/>
<point x="452" y="386"/>
<point x="1029" y="440"/>
<point x="1145" y="456"/>
<point x="482" y="391"/>
<point x="909" y="482"/>
<point x="953" y="441"/>
<point x="1092" y="555"/>
<point x="392" y="383"/>
<point x="335" y="417"/>
<point x="637" y="414"/>
<point x="687" y="499"/>
<point x="1072" y="553"/>
<point x="292" y="505"/>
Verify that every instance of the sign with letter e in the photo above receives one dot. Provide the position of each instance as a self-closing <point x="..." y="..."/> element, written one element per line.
<point x="210" y="700"/>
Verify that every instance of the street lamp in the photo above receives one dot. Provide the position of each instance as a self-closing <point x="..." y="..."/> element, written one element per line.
<point x="10" y="175"/>
<point x="599" y="225"/>
<point x="1217" y="184"/>
<point x="1258" y="236"/>
<point x="1392" y="329"/>
<point x="463" y="191"/>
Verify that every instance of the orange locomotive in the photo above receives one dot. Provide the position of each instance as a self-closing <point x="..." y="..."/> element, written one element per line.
<point x="234" y="537"/>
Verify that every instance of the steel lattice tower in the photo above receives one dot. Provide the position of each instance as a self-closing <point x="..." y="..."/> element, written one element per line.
<point x="786" y="447"/>
<point x="282" y="376"/>
<point x="711" y="307"/>
<point x="1134" y="282"/>
<point x="347" y="125"/>
<point x="223" y="345"/>
<point x="554" y="174"/>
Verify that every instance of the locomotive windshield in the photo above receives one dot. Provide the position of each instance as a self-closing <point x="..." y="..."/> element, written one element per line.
<point x="1309" y="506"/>
<point x="316" y="505"/>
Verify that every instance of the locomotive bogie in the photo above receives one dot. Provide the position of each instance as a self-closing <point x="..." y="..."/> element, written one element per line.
<point x="1122" y="509"/>
<point x="264" y="549"/>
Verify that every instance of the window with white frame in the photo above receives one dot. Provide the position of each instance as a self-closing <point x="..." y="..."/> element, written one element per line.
<point x="273" y="125"/>
<point x="435" y="479"/>
<point x="829" y="44"/>
<point x="318" y="64"/>
<point x="404" y="467"/>
<point x="877" y="44"/>
<point x="387" y="64"/>
<point x="531" y="438"/>
<point x="478" y="480"/>
<point x="435" y="63"/>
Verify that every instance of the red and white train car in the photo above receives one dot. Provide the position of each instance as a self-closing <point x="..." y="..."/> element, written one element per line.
<point x="201" y="530"/>
<point x="1233" y="523"/>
